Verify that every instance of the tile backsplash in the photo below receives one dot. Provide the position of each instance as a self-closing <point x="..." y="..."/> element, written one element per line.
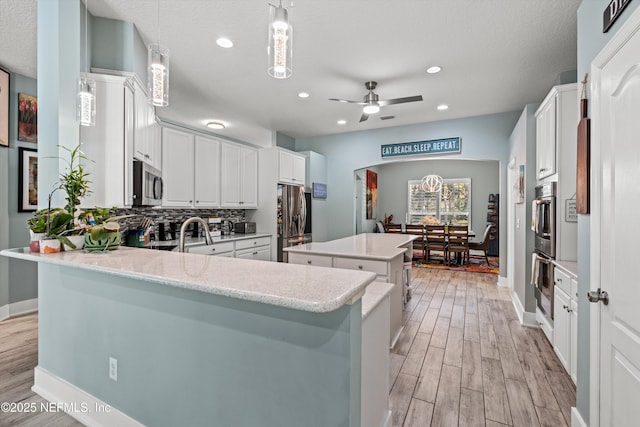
<point x="174" y="215"/>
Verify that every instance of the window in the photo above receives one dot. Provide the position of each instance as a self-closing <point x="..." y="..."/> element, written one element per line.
<point x="451" y="205"/>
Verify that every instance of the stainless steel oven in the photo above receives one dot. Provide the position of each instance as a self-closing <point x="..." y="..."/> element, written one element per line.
<point x="543" y="225"/>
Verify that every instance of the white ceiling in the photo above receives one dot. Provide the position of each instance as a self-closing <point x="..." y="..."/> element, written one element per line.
<point x="496" y="56"/>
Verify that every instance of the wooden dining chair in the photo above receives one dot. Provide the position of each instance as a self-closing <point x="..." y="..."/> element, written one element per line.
<point x="393" y="228"/>
<point x="436" y="239"/>
<point x="458" y="243"/>
<point x="484" y="244"/>
<point x="420" y="243"/>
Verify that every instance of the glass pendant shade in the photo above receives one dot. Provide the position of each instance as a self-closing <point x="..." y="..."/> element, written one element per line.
<point x="431" y="183"/>
<point x="279" y="51"/>
<point x="86" y="103"/>
<point x="158" y="75"/>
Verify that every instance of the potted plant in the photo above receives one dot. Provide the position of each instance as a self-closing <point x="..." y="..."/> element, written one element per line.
<point x="103" y="229"/>
<point x="74" y="180"/>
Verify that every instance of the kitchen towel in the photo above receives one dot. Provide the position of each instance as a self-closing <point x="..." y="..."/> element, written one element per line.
<point x="535" y="268"/>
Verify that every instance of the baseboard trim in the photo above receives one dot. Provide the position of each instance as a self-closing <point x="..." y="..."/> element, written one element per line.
<point x="89" y="410"/>
<point x="387" y="422"/>
<point x="525" y="318"/>
<point x="4" y="312"/>
<point x="395" y="339"/>
<point x="576" y="418"/>
<point x="18" y="308"/>
<point x="503" y="282"/>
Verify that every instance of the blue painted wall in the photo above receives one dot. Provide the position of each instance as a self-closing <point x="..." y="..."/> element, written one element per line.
<point x="483" y="138"/>
<point x="591" y="40"/>
<point x="18" y="279"/>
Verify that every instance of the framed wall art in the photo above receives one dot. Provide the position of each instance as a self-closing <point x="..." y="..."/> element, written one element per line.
<point x="27" y="118"/>
<point x="28" y="180"/>
<point x="4" y="108"/>
<point x="372" y="194"/>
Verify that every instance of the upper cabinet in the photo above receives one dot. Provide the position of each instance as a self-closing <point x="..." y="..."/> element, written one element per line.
<point x="546" y="138"/>
<point x="203" y="172"/>
<point x="109" y="144"/>
<point x="239" y="178"/>
<point x="556" y="132"/>
<point x="147" y="140"/>
<point x="292" y="167"/>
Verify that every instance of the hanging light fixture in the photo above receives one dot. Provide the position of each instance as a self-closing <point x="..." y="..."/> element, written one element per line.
<point x="86" y="102"/>
<point x="158" y="71"/>
<point x="431" y="183"/>
<point x="279" y="50"/>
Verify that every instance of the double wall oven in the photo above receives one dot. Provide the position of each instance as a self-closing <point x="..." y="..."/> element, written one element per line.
<point x="543" y="225"/>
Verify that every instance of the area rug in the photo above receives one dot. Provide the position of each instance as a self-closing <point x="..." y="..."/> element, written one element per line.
<point x="477" y="265"/>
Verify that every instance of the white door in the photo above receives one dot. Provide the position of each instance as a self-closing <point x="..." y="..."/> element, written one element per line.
<point x="207" y="172"/>
<point x="615" y="226"/>
<point x="177" y="168"/>
<point x="230" y="176"/>
<point x="249" y="178"/>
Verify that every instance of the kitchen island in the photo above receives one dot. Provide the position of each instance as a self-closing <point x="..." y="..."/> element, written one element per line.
<point x="386" y="254"/>
<point x="166" y="339"/>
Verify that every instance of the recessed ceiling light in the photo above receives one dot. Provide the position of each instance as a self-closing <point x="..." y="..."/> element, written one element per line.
<point x="224" y="42"/>
<point x="434" y="69"/>
<point x="216" y="125"/>
<point x="342" y="122"/>
<point x="303" y="95"/>
<point x="443" y="107"/>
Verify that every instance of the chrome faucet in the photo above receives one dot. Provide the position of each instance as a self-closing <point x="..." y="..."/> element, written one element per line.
<point x="208" y="240"/>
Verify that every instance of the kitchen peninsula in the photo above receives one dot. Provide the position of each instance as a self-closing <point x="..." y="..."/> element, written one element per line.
<point x="169" y="339"/>
<point x="382" y="253"/>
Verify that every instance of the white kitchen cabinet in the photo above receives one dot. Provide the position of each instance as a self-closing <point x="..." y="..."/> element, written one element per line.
<point x="262" y="253"/>
<point x="565" y="322"/>
<point x="206" y="172"/>
<point x="546" y="138"/>
<point x="239" y="176"/>
<point x="556" y="131"/>
<point x="562" y="327"/>
<point x="291" y="167"/>
<point x="306" y="259"/>
<point x="109" y="144"/>
<point x="147" y="143"/>
<point x="177" y="168"/>
<point x="191" y="170"/>
<point x="256" y="248"/>
<point x="222" y="248"/>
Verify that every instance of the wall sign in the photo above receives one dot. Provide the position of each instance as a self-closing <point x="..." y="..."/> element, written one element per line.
<point x="613" y="12"/>
<point x="434" y="146"/>
<point x="319" y="190"/>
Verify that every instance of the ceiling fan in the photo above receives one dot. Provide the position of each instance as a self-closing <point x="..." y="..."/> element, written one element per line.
<point x="372" y="104"/>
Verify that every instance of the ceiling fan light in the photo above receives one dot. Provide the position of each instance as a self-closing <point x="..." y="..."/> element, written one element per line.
<point x="371" y="108"/>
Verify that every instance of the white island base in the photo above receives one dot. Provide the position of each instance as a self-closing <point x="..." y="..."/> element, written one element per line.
<point x="203" y="341"/>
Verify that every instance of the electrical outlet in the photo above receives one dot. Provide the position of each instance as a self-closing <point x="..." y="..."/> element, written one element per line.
<point x="113" y="368"/>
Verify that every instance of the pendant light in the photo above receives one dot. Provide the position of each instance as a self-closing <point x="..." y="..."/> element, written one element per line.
<point x="431" y="183"/>
<point x="158" y="71"/>
<point x="279" y="50"/>
<point x="86" y="102"/>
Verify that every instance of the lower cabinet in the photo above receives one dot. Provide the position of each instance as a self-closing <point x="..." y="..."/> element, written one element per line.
<point x="565" y="321"/>
<point x="252" y="248"/>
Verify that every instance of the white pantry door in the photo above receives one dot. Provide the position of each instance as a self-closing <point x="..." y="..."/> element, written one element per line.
<point x="616" y="143"/>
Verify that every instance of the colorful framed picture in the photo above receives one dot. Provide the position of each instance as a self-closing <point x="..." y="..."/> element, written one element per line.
<point x="372" y="194"/>
<point x="27" y="118"/>
<point x="28" y="180"/>
<point x="4" y="108"/>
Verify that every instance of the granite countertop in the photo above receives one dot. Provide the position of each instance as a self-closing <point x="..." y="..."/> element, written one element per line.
<point x="570" y="267"/>
<point x="300" y="287"/>
<point x="377" y="246"/>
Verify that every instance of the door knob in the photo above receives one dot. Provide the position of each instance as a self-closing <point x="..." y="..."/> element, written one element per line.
<point x="597" y="296"/>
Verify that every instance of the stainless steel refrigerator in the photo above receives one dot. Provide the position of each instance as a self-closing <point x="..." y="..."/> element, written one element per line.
<point x="294" y="218"/>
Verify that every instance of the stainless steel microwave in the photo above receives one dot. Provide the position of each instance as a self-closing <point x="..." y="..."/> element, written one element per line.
<point x="147" y="185"/>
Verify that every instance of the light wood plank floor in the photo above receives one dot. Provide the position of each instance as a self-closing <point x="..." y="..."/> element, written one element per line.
<point x="464" y="359"/>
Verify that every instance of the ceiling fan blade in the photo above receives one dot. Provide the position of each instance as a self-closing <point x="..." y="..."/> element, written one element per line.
<point x="364" y="117"/>
<point x="382" y="103"/>
<point x="346" y="100"/>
